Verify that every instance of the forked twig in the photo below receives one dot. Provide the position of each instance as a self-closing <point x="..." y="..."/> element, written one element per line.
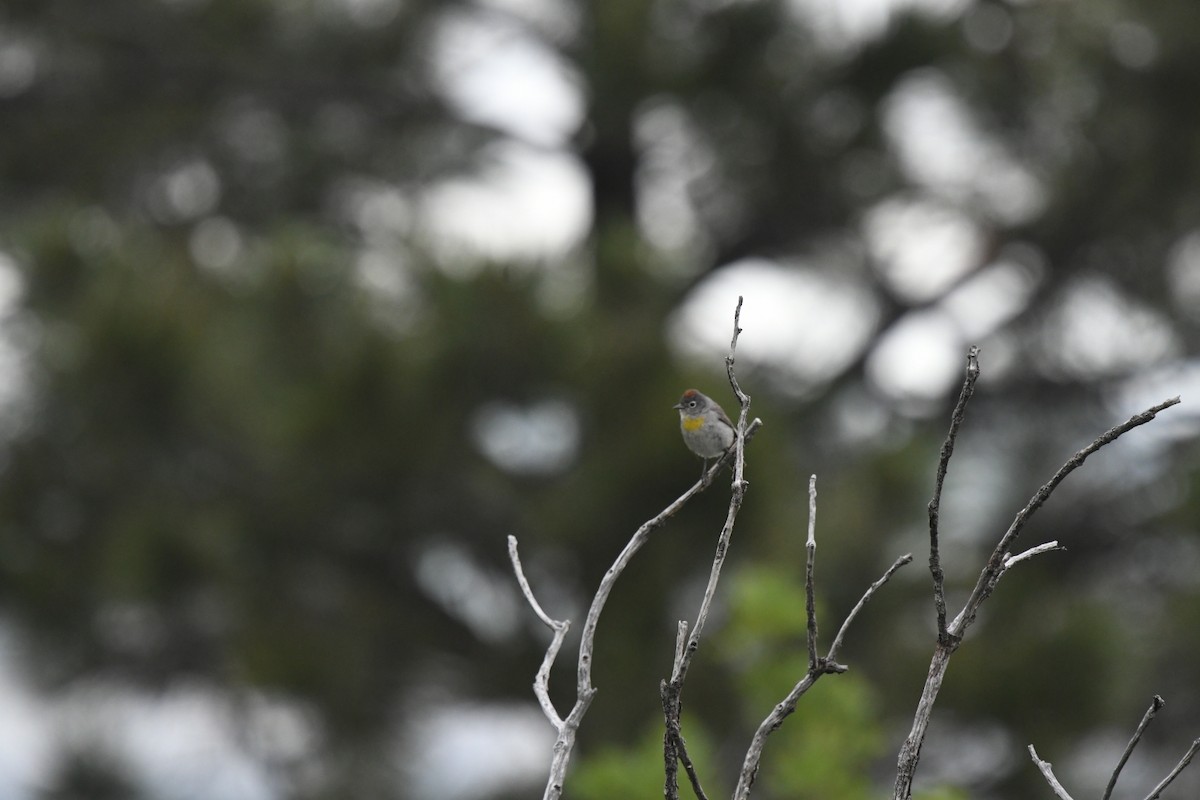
<point x="995" y="565"/>
<point x="541" y="682"/>
<point x="950" y="635"/>
<point x="817" y="666"/>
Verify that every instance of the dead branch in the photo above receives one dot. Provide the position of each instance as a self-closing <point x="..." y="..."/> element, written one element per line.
<point x="567" y="727"/>
<point x="1048" y="774"/>
<point x="817" y="666"/>
<point x="1155" y="706"/>
<point x="671" y="691"/>
<point x="950" y="635"/>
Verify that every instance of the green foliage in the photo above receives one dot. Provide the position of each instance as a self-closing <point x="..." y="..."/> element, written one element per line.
<point x="825" y="748"/>
<point x="941" y="794"/>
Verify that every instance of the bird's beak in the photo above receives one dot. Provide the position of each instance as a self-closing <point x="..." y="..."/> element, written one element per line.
<point x="678" y="406"/>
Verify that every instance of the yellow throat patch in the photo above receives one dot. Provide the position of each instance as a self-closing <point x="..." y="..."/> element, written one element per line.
<point x="692" y="423"/>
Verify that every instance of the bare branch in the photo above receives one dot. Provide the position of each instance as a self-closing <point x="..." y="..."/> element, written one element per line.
<point x="910" y="751"/>
<point x="768" y="726"/>
<point x="735" y="505"/>
<point x="1155" y="705"/>
<point x="541" y="682"/>
<point x="787" y="706"/>
<point x="956" y="419"/>
<point x="730" y="455"/>
<point x="528" y="592"/>
<point x="1010" y="561"/>
<point x="674" y="747"/>
<point x="743" y="399"/>
<point x="1048" y="774"/>
<point x="681" y="638"/>
<point x="1180" y="767"/>
<point x="987" y="579"/>
<point x="836" y="647"/>
<point x="569" y="726"/>
<point x="690" y="769"/>
<point x="817" y="666"/>
<point x="950" y="636"/>
<point x="671" y="691"/>
<point x="811" y="549"/>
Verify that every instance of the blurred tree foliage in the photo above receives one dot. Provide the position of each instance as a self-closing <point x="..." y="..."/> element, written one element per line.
<point x="266" y="430"/>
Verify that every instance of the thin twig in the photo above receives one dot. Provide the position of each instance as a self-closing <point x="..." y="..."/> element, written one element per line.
<point x="823" y="666"/>
<point x="1048" y="774"/>
<point x="735" y="504"/>
<point x="527" y="591"/>
<point x="541" y="682"/>
<point x="1156" y="705"/>
<point x="1180" y="767"/>
<point x="706" y="479"/>
<point x="810" y="605"/>
<point x="743" y="399"/>
<point x="690" y="769"/>
<point x="674" y="746"/>
<point x="836" y="647"/>
<point x="956" y="419"/>
<point x="816" y="666"/>
<point x="1011" y="561"/>
<point x="681" y="638"/>
<point x="987" y="579"/>
<point x="671" y="691"/>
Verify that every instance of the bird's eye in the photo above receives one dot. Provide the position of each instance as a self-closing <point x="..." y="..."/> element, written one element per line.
<point x="692" y="404"/>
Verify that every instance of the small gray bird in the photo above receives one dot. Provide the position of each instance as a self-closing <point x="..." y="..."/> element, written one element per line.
<point x="705" y="426"/>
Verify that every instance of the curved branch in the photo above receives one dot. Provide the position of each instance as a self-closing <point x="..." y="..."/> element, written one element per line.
<point x="541" y="682"/>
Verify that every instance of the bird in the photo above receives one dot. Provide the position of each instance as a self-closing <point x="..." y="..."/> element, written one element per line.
<point x="705" y="426"/>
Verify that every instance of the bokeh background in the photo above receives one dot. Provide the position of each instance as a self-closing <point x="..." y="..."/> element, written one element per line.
<point x="305" y="305"/>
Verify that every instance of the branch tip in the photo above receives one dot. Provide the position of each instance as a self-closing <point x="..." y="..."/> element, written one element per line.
<point x="1180" y="767"/>
<point x="1155" y="705"/>
<point x="1048" y="773"/>
<point x="970" y="376"/>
